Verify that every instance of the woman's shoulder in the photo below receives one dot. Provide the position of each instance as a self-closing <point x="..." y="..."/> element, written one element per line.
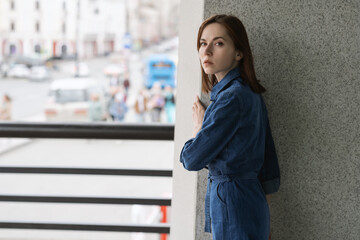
<point x="235" y="88"/>
<point x="232" y="94"/>
<point x="239" y="87"/>
<point x="239" y="92"/>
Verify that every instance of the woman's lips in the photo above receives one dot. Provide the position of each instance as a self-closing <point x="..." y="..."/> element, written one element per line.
<point x="207" y="63"/>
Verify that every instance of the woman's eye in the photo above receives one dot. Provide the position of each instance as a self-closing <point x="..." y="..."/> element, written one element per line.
<point x="202" y="44"/>
<point x="219" y="44"/>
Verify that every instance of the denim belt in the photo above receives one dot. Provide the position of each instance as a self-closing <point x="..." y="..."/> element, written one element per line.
<point x="221" y="178"/>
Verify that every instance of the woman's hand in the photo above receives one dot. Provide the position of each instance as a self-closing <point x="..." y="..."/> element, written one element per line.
<point x="198" y="112"/>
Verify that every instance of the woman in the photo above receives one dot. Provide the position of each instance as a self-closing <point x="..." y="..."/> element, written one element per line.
<point x="232" y="137"/>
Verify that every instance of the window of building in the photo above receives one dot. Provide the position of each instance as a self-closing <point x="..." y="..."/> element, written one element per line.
<point x="37" y="48"/>
<point x="63" y="50"/>
<point x="63" y="28"/>
<point x="37" y="5"/>
<point x="12" y="26"/>
<point x="12" y="5"/>
<point x="37" y="27"/>
<point x="12" y="49"/>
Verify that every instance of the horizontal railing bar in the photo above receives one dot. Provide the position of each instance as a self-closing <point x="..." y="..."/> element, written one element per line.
<point x="88" y="171"/>
<point x="87" y="130"/>
<point x="92" y="200"/>
<point x="159" y="228"/>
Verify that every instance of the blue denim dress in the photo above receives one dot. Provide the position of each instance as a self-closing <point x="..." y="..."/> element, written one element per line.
<point x="236" y="145"/>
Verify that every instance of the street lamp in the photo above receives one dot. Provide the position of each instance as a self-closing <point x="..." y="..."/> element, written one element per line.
<point x="77" y="38"/>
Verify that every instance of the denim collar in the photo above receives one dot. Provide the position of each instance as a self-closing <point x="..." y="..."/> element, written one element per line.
<point x="234" y="73"/>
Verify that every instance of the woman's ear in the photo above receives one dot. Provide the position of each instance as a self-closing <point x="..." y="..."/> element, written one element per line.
<point x="239" y="55"/>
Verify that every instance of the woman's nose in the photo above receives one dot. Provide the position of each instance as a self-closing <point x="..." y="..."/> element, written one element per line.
<point x="208" y="49"/>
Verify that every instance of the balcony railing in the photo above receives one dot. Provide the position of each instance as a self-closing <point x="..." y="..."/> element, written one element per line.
<point x="86" y="131"/>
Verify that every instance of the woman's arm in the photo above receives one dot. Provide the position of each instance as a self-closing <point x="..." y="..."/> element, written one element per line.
<point x="217" y="129"/>
<point x="198" y="112"/>
<point x="269" y="175"/>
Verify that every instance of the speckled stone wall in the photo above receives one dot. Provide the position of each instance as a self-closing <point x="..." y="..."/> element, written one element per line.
<point x="307" y="56"/>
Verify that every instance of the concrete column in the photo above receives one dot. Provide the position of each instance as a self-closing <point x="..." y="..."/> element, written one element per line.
<point x="307" y="56"/>
<point x="184" y="206"/>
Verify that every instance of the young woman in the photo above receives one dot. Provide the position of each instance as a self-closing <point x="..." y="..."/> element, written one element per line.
<point x="232" y="138"/>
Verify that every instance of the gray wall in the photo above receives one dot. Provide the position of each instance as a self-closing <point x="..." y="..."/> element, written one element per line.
<point x="307" y="56"/>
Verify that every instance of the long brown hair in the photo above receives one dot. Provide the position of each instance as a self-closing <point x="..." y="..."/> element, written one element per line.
<point x="237" y="33"/>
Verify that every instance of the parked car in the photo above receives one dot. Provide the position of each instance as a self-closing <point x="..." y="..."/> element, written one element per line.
<point x="39" y="73"/>
<point x="18" y="71"/>
<point x="69" y="99"/>
<point x="29" y="61"/>
<point x="15" y="64"/>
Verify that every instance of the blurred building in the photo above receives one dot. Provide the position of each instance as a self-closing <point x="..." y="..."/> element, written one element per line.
<point x="150" y="21"/>
<point x="55" y="28"/>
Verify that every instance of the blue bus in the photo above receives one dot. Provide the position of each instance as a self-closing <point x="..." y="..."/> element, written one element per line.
<point x="160" y="68"/>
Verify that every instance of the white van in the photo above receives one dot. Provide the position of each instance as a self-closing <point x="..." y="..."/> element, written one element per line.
<point x="69" y="99"/>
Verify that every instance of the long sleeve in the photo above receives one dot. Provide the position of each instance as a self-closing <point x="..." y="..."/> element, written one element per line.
<point x="218" y="128"/>
<point x="269" y="175"/>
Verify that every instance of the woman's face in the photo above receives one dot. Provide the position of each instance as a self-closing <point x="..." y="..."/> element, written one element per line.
<point x="217" y="51"/>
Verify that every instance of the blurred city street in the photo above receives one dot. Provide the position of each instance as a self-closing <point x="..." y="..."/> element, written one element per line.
<point x="29" y="97"/>
<point x="86" y="61"/>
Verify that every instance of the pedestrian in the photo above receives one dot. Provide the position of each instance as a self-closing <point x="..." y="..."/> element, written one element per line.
<point x="118" y="108"/>
<point x="126" y="83"/>
<point x="95" y="108"/>
<point x="5" y="108"/>
<point x="169" y="104"/>
<point x="232" y="137"/>
<point x="141" y="105"/>
<point x="156" y="103"/>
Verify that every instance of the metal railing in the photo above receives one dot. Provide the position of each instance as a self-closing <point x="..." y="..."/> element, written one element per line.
<point x="83" y="131"/>
<point x="87" y="131"/>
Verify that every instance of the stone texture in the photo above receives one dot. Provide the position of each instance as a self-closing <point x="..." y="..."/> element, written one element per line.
<point x="200" y="207"/>
<point x="307" y="54"/>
